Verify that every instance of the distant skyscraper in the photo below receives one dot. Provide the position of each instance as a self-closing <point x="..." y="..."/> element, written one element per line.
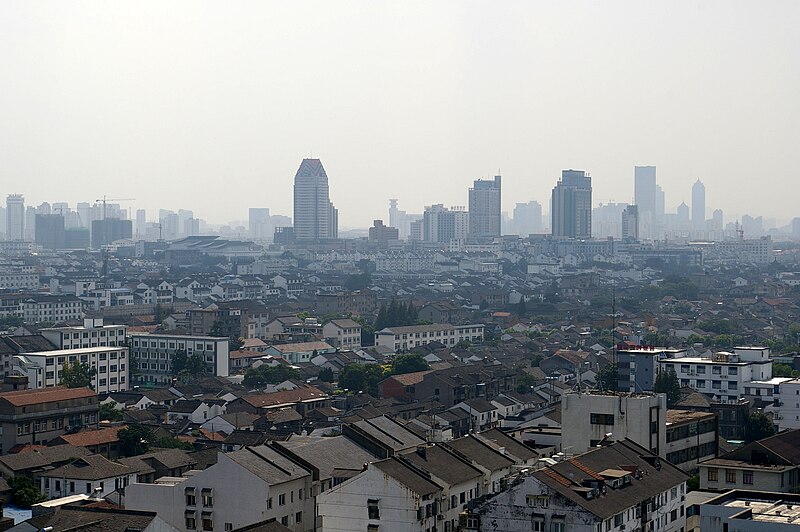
<point x="107" y="231"/>
<point x="484" y="208"/>
<point x="649" y="198"/>
<point x="699" y="206"/>
<point x="259" y="224"/>
<point x="394" y="214"/>
<point x="15" y="217"/>
<point x="571" y="205"/>
<point x="85" y="213"/>
<point x="630" y="223"/>
<point x="141" y="223"/>
<point x="50" y="232"/>
<point x="682" y="215"/>
<point x="528" y="218"/>
<point x="315" y="217"/>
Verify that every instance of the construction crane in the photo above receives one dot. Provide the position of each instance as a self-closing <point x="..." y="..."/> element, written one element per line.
<point x="105" y="199"/>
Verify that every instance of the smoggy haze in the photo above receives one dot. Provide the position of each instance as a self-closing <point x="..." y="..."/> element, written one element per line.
<point x="212" y="105"/>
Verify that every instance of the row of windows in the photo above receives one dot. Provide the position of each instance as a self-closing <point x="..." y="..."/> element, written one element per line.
<point x="730" y="476"/>
<point x="715" y="370"/>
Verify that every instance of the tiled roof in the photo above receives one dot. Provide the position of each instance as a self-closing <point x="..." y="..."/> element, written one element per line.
<point x="301" y="346"/>
<point x="42" y="457"/>
<point x="94" y="467"/>
<point x="45" y="395"/>
<point x="86" y="438"/>
<point x="284" y="397"/>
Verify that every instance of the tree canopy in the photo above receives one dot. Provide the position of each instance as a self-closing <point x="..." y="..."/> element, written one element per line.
<point x="269" y="375"/>
<point x="135" y="440"/>
<point x="396" y="315"/>
<point x="408" y="364"/>
<point x="361" y="378"/>
<point x="193" y="365"/>
<point x="607" y="379"/>
<point x="759" y="427"/>
<point x="77" y="375"/>
<point x="667" y="383"/>
<point x="24" y="492"/>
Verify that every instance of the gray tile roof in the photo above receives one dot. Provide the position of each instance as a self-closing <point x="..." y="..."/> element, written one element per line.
<point x="443" y="465"/>
<point x="43" y="457"/>
<point x="268" y="464"/>
<point x="407" y="476"/>
<point x="327" y="454"/>
<point x="94" y="467"/>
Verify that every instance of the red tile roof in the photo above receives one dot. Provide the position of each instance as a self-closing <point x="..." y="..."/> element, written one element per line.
<point x="45" y="395"/>
<point x="87" y="438"/>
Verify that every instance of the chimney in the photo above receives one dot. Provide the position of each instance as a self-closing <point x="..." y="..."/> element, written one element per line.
<point x="422" y="451"/>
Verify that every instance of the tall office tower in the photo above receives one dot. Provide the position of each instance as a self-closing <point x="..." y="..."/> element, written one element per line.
<point x="15" y="217"/>
<point x="442" y="225"/>
<point x="3" y="222"/>
<point x="315" y="217"/>
<point x="50" y="233"/>
<point x="485" y="218"/>
<point x="183" y="216"/>
<point x="141" y="223"/>
<point x="571" y="205"/>
<point x="29" y="234"/>
<point x="699" y="206"/>
<point x="259" y="225"/>
<point x="44" y="208"/>
<point x="394" y="214"/>
<point x="630" y="223"/>
<point x="649" y="198"/>
<point x="85" y="213"/>
<point x="682" y="215"/>
<point x="528" y="218"/>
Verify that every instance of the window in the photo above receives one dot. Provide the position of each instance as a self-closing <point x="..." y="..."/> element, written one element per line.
<point x="730" y="476"/>
<point x="747" y="477"/>
<point x="281" y="499"/>
<point x="673" y="515"/>
<point x="701" y="370"/>
<point x="372" y="528"/>
<point x="191" y="499"/>
<point x="208" y="523"/>
<point x="712" y="474"/>
<point x="601" y="419"/>
<point x="733" y="371"/>
<point x="191" y="522"/>
<point x="269" y="503"/>
<point x="228" y="526"/>
<point x="557" y="526"/>
<point x="538" y="524"/>
<point x="208" y="499"/>
<point x="373" y="511"/>
<point x="285" y="520"/>
<point x="298" y="517"/>
<point x="684" y="368"/>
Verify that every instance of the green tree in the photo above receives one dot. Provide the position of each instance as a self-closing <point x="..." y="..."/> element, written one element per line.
<point x="179" y="360"/>
<point x="693" y="484"/>
<point x="12" y="320"/>
<point x="77" y="375"/>
<point x="325" y="375"/>
<point x="667" y="383"/>
<point x="361" y="378"/>
<point x="408" y="364"/>
<point x="758" y="427"/>
<point x="463" y="344"/>
<point x="607" y="379"/>
<point x="108" y="412"/>
<point x="784" y="370"/>
<point x="24" y="492"/>
<point x="521" y="308"/>
<point x="269" y="375"/>
<point x="135" y="440"/>
<point x="524" y="382"/>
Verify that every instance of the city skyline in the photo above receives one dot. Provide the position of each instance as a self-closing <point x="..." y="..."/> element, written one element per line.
<point x="149" y="107"/>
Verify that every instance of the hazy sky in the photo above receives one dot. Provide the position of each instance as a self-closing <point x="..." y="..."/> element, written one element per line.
<point x="212" y="105"/>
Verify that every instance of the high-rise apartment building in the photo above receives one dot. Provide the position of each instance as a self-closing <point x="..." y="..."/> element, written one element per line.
<point x="15" y="217"/>
<point x="484" y="208"/>
<point x="442" y="225"/>
<point x="50" y="232"/>
<point x="571" y="205"/>
<point x="528" y="218"/>
<point x="630" y="223"/>
<point x="315" y="217"/>
<point x="699" y="206"/>
<point x="141" y="223"/>
<point x="259" y="225"/>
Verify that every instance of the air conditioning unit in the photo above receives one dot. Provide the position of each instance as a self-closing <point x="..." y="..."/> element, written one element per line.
<point x="440" y="517"/>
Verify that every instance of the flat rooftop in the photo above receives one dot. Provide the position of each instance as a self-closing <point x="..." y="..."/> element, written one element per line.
<point x="683" y="416"/>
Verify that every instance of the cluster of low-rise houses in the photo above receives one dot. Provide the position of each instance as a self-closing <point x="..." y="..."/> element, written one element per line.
<point x="509" y="425"/>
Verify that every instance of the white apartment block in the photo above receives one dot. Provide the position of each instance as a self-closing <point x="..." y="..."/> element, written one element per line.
<point x="43" y="369"/>
<point x="345" y="333"/>
<point x="405" y="338"/>
<point x="92" y="334"/>
<point x="588" y="418"/>
<point x="19" y="281"/>
<point x="725" y="374"/>
<point x="51" y="309"/>
<point x="154" y="352"/>
<point x="787" y="405"/>
<point x="244" y="487"/>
